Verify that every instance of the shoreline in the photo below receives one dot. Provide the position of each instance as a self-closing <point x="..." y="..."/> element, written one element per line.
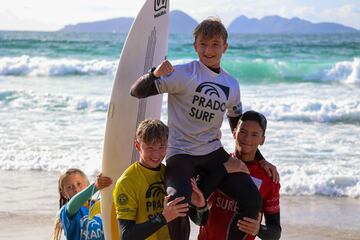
<point x="29" y="210"/>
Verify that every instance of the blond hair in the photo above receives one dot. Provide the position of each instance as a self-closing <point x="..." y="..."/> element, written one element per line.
<point x="209" y="28"/>
<point x="152" y="131"/>
<point x="62" y="199"/>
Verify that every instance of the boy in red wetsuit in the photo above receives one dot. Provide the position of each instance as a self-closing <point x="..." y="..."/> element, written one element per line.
<point x="249" y="134"/>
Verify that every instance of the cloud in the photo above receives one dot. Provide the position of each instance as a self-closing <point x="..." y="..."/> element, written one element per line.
<point x="346" y="14"/>
<point x="25" y="16"/>
<point x="10" y="21"/>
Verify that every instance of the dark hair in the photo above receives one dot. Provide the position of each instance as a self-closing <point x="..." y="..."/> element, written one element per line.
<point x="254" y="116"/>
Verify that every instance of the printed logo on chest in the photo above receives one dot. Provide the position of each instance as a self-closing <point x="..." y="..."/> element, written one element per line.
<point x="209" y="98"/>
<point x="154" y="199"/>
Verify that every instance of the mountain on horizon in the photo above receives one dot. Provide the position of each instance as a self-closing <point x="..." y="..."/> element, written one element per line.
<point x="121" y="25"/>
<point x="179" y="22"/>
<point x="277" y="24"/>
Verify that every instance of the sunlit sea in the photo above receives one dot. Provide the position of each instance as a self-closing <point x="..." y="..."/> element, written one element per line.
<point x="55" y="89"/>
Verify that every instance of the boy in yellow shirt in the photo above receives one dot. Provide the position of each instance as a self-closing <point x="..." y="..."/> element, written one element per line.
<point x="142" y="207"/>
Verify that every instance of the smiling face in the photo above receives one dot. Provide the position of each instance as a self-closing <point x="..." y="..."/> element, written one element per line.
<point x="248" y="135"/>
<point x="152" y="154"/>
<point x="210" y="50"/>
<point x="72" y="184"/>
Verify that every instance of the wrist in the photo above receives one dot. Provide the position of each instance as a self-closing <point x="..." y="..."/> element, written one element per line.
<point x="152" y="72"/>
<point x="200" y="209"/>
<point x="161" y="219"/>
<point x="204" y="208"/>
<point x="262" y="230"/>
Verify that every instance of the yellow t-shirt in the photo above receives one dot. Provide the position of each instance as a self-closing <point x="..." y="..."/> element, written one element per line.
<point x="139" y="194"/>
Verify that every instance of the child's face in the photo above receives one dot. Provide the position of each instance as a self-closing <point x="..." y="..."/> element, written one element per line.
<point x="210" y="50"/>
<point x="249" y="135"/>
<point x="73" y="184"/>
<point x="151" y="155"/>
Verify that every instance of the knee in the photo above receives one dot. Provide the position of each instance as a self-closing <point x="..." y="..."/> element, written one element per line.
<point x="181" y="190"/>
<point x="251" y="205"/>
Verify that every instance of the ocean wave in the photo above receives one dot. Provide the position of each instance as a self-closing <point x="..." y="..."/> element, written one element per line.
<point x="344" y="71"/>
<point x="27" y="100"/>
<point x="306" y="110"/>
<point x="320" y="179"/>
<point x="338" y="179"/>
<point x="260" y="70"/>
<point x="254" y="71"/>
<point x="41" y="66"/>
<point x="322" y="111"/>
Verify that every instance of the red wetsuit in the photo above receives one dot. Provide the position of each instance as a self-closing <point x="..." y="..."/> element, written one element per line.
<point x="222" y="208"/>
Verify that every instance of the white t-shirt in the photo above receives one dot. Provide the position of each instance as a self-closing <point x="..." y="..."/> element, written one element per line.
<point x="197" y="101"/>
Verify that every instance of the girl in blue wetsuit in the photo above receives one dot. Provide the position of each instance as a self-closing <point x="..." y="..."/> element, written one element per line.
<point x="75" y="196"/>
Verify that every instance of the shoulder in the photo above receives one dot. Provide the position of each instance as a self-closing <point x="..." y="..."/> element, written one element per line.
<point x="229" y="78"/>
<point x="187" y="66"/>
<point x="162" y="168"/>
<point x="267" y="182"/>
<point x="132" y="169"/>
<point x="187" y="70"/>
<point x="129" y="176"/>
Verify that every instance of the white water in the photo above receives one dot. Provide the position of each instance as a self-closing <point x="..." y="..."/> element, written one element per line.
<point x="50" y="124"/>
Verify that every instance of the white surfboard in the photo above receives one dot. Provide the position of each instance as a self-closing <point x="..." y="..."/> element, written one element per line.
<point x="145" y="47"/>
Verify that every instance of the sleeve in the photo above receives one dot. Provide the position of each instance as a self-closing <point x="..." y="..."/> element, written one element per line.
<point x="199" y="215"/>
<point x="177" y="81"/>
<point x="233" y="121"/>
<point x="144" y="86"/>
<point x="271" y="209"/>
<point x="234" y="108"/>
<point x="271" y="202"/>
<point x="126" y="202"/>
<point x="77" y="201"/>
<point x="272" y="228"/>
<point x="130" y="230"/>
<point x="70" y="225"/>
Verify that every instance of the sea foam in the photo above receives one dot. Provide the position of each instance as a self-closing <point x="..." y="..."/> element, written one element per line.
<point x="30" y="101"/>
<point x="41" y="66"/>
<point x="320" y="179"/>
<point x="344" y="71"/>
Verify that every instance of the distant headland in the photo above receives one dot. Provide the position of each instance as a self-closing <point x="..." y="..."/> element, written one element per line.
<point x="181" y="22"/>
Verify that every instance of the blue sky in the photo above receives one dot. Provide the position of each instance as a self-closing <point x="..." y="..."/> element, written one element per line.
<point x="51" y="15"/>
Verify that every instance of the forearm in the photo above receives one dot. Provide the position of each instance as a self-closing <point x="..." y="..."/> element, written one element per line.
<point x="130" y="230"/>
<point x="272" y="229"/>
<point x="233" y="121"/>
<point x="199" y="215"/>
<point x="80" y="199"/>
<point x="144" y="86"/>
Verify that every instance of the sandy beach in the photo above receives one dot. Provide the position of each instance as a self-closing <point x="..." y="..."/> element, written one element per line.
<point x="30" y="204"/>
